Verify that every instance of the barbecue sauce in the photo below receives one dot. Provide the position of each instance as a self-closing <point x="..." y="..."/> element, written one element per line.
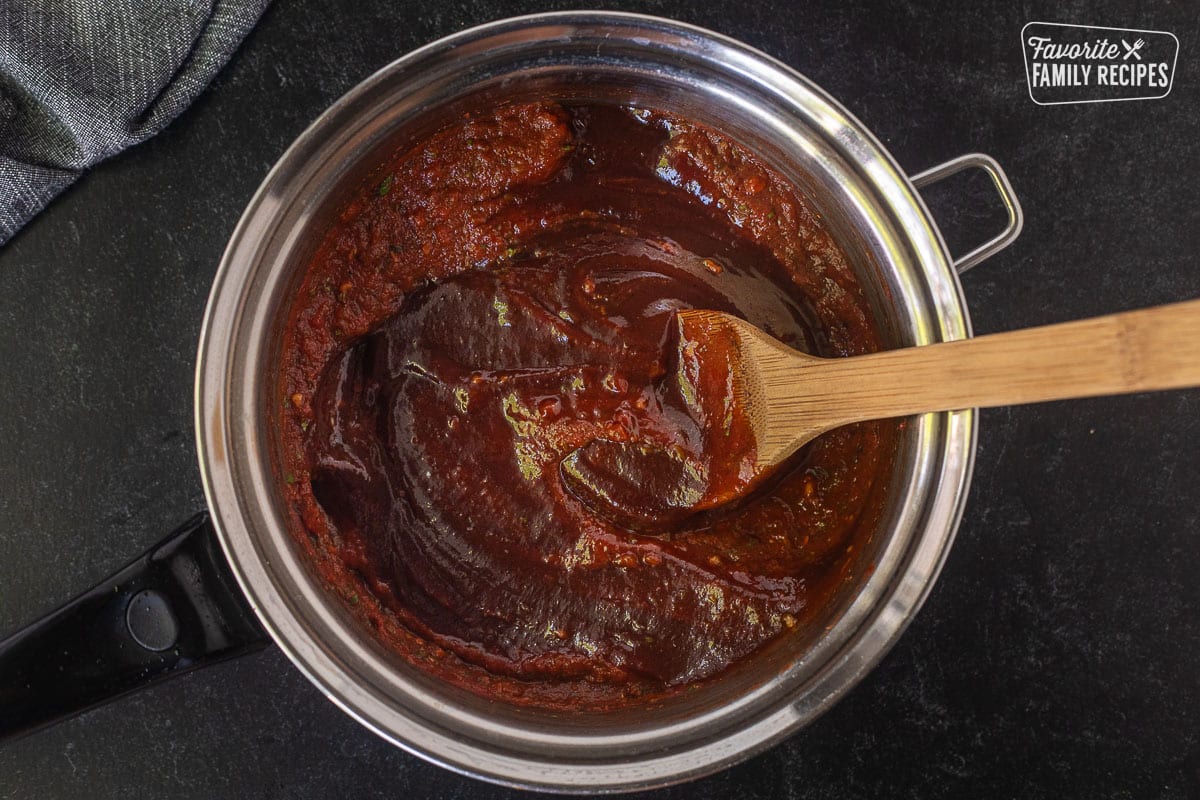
<point x="501" y="295"/>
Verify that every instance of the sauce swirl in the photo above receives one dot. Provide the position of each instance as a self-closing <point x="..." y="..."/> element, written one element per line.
<point x="502" y="295"/>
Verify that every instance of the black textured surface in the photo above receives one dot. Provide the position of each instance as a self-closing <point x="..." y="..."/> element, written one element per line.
<point x="1056" y="657"/>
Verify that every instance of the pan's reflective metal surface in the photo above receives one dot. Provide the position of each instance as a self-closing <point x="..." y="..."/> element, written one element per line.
<point x="866" y="199"/>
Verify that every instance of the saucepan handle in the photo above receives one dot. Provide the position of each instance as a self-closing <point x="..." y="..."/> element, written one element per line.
<point x="176" y="608"/>
<point x="1016" y="218"/>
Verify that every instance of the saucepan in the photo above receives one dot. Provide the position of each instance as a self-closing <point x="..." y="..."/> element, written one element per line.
<point x="234" y="580"/>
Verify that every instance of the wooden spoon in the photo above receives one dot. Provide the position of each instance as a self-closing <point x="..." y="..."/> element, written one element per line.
<point x="789" y="398"/>
<point x="760" y="401"/>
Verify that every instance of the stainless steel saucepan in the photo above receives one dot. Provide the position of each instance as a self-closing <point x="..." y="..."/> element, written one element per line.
<point x="178" y="606"/>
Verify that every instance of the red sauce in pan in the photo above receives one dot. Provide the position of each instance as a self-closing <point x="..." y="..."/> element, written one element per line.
<point x="503" y="294"/>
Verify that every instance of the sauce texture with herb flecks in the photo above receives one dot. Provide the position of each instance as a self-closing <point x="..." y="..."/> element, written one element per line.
<point x="502" y="294"/>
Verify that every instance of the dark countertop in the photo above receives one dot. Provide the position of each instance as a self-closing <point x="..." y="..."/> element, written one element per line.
<point x="1057" y="655"/>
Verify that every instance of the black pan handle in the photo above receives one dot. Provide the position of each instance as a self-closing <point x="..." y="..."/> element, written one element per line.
<point x="176" y="608"/>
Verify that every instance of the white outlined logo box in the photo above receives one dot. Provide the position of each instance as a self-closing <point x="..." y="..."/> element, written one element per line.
<point x="1067" y="63"/>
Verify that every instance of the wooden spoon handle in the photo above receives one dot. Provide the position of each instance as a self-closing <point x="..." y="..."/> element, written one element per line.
<point x="1154" y="348"/>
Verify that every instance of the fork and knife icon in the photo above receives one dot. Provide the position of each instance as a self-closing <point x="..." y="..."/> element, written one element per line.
<point x="1132" y="49"/>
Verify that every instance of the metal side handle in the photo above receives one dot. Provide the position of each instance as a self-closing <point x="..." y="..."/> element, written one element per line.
<point x="1016" y="218"/>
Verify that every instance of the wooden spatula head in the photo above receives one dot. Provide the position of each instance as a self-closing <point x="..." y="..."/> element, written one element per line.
<point x="763" y="371"/>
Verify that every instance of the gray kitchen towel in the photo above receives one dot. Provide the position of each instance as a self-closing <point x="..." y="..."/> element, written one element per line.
<point x="81" y="80"/>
